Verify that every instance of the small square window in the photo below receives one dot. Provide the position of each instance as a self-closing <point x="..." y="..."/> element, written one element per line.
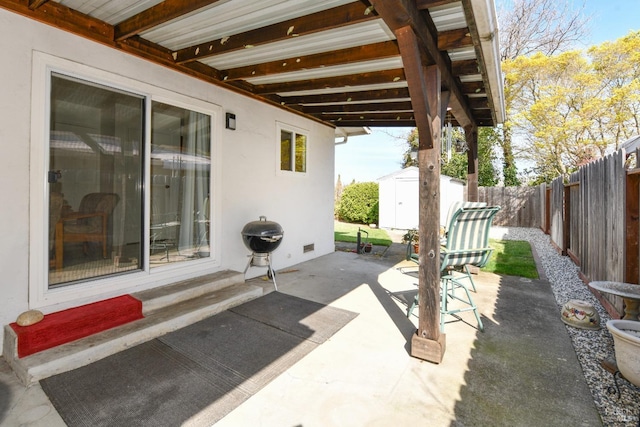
<point x="293" y="151"/>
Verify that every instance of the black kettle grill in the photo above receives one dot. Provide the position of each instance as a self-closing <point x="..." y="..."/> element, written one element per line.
<point x="262" y="237"/>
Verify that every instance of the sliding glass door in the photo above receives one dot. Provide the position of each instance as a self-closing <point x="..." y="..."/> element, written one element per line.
<point x="96" y="185"/>
<point x="94" y="178"/>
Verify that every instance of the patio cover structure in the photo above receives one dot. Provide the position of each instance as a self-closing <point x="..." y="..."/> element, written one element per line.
<point x="345" y="63"/>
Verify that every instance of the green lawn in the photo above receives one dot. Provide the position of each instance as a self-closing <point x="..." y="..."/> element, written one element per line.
<point x="510" y="257"/>
<point x="345" y="232"/>
<point x="513" y="258"/>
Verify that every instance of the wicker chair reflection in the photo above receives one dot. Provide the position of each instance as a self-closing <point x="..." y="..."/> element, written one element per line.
<point x="89" y="224"/>
<point x="467" y="244"/>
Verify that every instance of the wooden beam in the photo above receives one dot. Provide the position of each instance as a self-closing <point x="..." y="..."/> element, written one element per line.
<point x="352" y="80"/>
<point x="321" y="21"/>
<point x="34" y="4"/>
<point x="365" y="95"/>
<point x="402" y="13"/>
<point x="416" y="78"/>
<point x="369" y="52"/>
<point x="369" y="117"/>
<point x="473" y="87"/>
<point x="454" y="39"/>
<point x="404" y="106"/>
<point x="424" y="86"/>
<point x="465" y="67"/>
<point x="378" y="122"/>
<point x="160" y="55"/>
<point x="156" y="15"/>
<point x="479" y="104"/>
<point x="426" y="4"/>
<point x="64" y="18"/>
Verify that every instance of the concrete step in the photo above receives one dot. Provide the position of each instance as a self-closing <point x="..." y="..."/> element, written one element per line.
<point x="164" y="296"/>
<point x="159" y="321"/>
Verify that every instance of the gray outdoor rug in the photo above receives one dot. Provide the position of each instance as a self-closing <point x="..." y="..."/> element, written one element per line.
<point x="198" y="374"/>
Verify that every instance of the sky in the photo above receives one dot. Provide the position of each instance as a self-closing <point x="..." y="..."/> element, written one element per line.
<point x="369" y="157"/>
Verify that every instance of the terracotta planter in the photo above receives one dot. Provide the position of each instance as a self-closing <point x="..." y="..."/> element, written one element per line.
<point x="416" y="248"/>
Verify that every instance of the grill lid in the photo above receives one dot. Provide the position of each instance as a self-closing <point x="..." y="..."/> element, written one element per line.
<point x="262" y="228"/>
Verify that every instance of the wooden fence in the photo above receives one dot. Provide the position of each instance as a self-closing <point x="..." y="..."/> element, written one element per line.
<point x="594" y="224"/>
<point x="521" y="206"/>
<point x="593" y="216"/>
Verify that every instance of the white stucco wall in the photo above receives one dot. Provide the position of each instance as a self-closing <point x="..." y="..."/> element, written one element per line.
<point x="398" y="195"/>
<point x="248" y="182"/>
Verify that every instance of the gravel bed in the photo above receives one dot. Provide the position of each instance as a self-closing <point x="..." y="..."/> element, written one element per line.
<point x="591" y="346"/>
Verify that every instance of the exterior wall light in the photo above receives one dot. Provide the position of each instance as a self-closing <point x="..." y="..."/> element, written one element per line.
<point x="230" y="121"/>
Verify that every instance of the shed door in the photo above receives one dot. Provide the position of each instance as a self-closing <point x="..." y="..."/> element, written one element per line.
<point x="406" y="203"/>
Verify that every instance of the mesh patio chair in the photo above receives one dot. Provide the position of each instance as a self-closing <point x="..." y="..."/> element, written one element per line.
<point x="453" y="208"/>
<point x="467" y="244"/>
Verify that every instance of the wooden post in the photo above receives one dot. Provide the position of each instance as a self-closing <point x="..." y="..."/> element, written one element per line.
<point x="566" y="223"/>
<point x="547" y="211"/>
<point x="632" y="224"/>
<point x="424" y="88"/>
<point x="471" y="136"/>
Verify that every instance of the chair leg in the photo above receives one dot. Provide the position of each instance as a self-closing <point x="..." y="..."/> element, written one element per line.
<point x="466" y="269"/>
<point x="450" y="284"/>
<point x="444" y="298"/>
<point x="412" y="306"/>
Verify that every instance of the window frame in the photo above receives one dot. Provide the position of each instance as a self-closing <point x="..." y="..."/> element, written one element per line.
<point x="40" y="295"/>
<point x="295" y="131"/>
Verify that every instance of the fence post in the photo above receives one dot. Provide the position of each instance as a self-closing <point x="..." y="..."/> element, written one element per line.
<point x="566" y="227"/>
<point x="632" y="224"/>
<point x="547" y="211"/>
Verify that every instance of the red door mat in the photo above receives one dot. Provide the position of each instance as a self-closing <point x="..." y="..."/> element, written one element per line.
<point x="75" y="323"/>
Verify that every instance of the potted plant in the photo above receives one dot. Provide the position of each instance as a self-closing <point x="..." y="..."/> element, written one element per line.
<point x="412" y="236"/>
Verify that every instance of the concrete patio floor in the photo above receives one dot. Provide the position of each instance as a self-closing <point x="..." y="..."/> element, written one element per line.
<point x="522" y="371"/>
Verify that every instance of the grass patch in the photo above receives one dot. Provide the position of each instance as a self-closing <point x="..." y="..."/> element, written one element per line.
<point x="512" y="258"/>
<point x="345" y="232"/>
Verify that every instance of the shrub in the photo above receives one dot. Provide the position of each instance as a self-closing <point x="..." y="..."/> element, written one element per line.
<point x="359" y="203"/>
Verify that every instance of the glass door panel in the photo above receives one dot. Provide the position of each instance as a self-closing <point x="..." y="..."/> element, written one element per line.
<point x="180" y="177"/>
<point x="95" y="181"/>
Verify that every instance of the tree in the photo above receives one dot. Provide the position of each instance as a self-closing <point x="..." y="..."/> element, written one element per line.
<point x="617" y="66"/>
<point x="457" y="166"/>
<point x="527" y="27"/>
<point x="575" y="106"/>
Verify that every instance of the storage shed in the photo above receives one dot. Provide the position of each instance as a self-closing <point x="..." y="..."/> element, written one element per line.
<point x="398" y="196"/>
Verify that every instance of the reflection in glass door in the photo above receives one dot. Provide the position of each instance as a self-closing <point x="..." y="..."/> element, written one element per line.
<point x="180" y="179"/>
<point x="95" y="181"/>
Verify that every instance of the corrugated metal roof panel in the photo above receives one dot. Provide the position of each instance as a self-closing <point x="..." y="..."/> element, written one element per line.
<point x="395" y="85"/>
<point x="340" y="38"/>
<point x="462" y="53"/>
<point x="448" y="17"/>
<point x="338" y="70"/>
<point x="110" y="11"/>
<point x="227" y="18"/>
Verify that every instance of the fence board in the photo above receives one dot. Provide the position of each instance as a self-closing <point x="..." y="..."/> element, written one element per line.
<point x="520" y="205"/>
<point x="597" y="218"/>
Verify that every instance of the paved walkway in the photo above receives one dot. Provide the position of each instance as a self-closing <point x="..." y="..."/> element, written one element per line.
<point x="522" y="371"/>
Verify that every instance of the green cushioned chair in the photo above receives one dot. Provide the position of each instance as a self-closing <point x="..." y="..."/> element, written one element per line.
<point x="467" y="244"/>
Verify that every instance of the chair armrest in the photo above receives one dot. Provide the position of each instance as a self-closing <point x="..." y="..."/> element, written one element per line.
<point x="79" y="215"/>
<point x="464" y="251"/>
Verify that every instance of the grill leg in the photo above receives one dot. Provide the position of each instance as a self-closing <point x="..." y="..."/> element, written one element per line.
<point x="272" y="273"/>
